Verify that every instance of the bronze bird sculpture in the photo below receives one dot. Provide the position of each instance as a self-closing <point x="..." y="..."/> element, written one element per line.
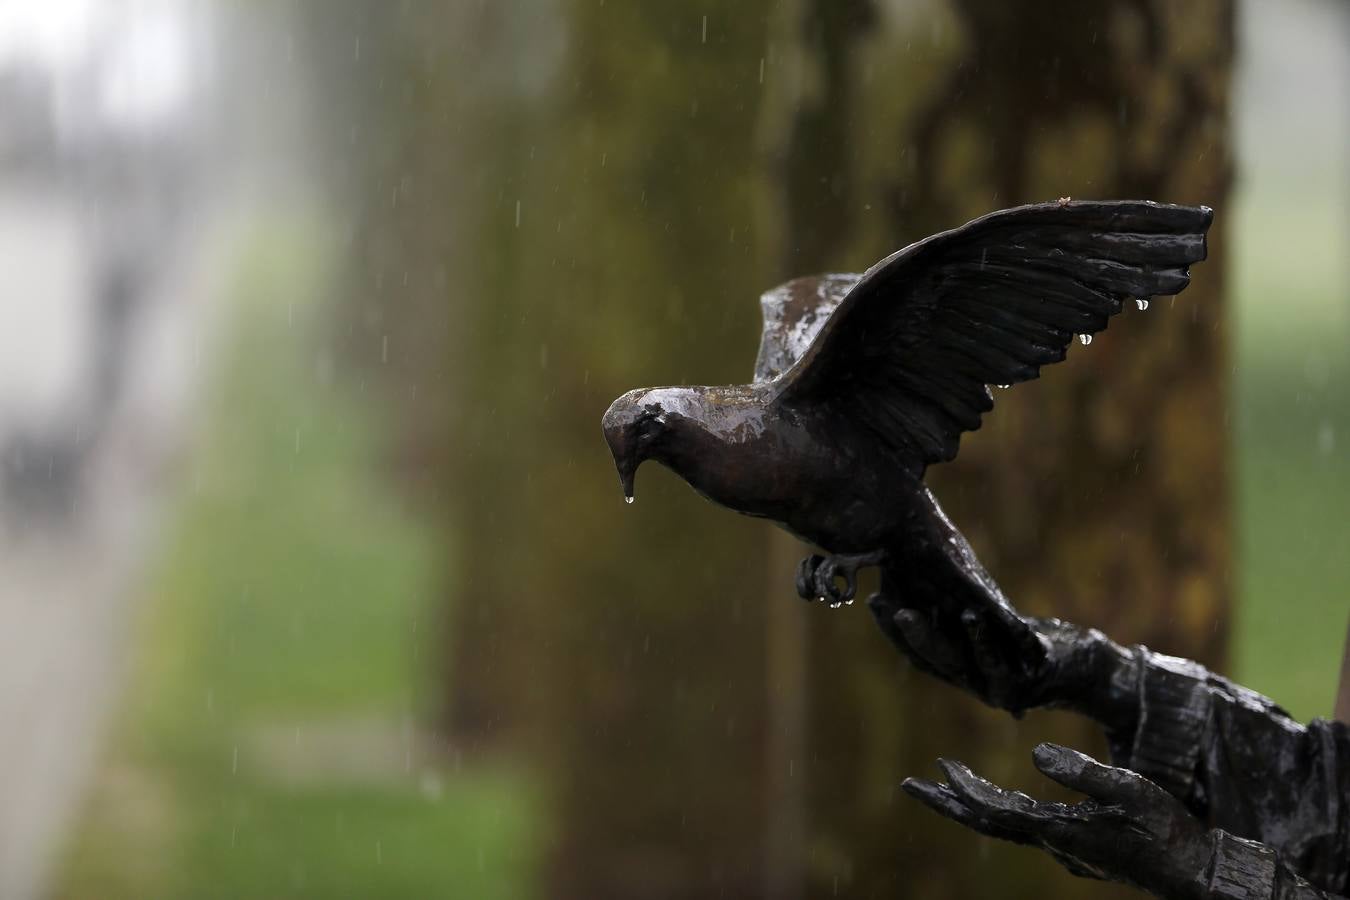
<point x="863" y="381"/>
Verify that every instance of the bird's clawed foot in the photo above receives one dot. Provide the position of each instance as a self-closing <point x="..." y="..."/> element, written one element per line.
<point x="818" y="576"/>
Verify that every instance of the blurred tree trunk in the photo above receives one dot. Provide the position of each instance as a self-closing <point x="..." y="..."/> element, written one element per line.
<point x="620" y="648"/>
<point x="426" y="133"/>
<point x="1099" y="493"/>
<point x="556" y="204"/>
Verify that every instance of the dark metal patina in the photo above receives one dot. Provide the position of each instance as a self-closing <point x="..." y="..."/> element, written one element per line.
<point x="861" y="383"/>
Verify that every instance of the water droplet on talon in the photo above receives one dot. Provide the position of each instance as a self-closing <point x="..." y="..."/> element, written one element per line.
<point x="821" y="598"/>
<point x="835" y="604"/>
<point x="1085" y="339"/>
<point x="1003" y="387"/>
<point x="848" y="602"/>
<point x="1141" y="303"/>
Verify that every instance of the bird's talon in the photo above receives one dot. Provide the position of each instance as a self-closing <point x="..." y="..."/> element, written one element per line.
<point x="818" y="577"/>
<point x="806" y="578"/>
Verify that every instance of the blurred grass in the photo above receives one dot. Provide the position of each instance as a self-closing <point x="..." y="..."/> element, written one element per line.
<point x="1291" y="385"/>
<point x="268" y="743"/>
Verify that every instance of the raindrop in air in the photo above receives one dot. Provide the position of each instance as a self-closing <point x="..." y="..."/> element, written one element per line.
<point x="1141" y="303"/>
<point x="1085" y="339"/>
<point x="629" y="499"/>
<point x="1326" y="439"/>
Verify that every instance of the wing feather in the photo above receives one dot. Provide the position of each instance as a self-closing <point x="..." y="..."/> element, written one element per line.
<point x="794" y="313"/>
<point x="912" y="345"/>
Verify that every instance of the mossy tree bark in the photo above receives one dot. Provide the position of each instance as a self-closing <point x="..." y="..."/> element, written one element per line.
<point x="1099" y="493"/>
<point x="620" y="648"/>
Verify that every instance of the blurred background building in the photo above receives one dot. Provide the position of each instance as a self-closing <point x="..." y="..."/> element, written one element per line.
<point x="315" y="576"/>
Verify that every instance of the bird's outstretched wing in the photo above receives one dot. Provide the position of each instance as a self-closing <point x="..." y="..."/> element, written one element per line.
<point x="911" y="349"/>
<point x="794" y="313"/>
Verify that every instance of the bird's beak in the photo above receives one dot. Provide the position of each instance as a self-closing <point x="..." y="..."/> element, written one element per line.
<point x="627" y="473"/>
<point x="626" y="458"/>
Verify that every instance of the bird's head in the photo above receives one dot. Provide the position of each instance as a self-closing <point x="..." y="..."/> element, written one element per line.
<point x="641" y="425"/>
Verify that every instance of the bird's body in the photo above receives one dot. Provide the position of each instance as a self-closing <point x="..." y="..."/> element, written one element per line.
<point x="826" y="485"/>
<point x="863" y="381"/>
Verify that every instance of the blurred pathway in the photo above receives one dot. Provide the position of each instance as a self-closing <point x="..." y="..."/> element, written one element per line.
<point x="67" y="594"/>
